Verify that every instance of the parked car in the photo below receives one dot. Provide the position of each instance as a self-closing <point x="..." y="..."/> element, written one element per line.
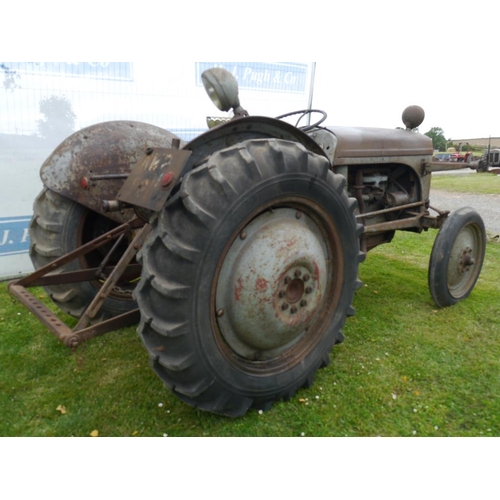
<point x="442" y="157"/>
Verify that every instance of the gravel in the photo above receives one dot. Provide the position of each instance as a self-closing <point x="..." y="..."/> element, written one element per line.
<point x="487" y="205"/>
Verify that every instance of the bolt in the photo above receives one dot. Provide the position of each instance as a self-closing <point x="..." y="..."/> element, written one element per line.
<point x="293" y="310"/>
<point x="469" y="261"/>
<point x="306" y="277"/>
<point x="220" y="313"/>
<point x="287" y="280"/>
<point x="284" y="306"/>
<point x="243" y="235"/>
<point x="72" y="342"/>
<point x="281" y="294"/>
<point x="303" y="303"/>
<point x="309" y="289"/>
<point x="298" y="215"/>
<point x="149" y="151"/>
<point x="298" y="273"/>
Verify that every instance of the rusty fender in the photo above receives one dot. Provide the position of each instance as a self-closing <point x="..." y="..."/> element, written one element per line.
<point x="91" y="165"/>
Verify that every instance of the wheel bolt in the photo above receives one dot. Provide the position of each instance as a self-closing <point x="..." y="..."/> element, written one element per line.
<point x="281" y="294"/>
<point x="287" y="280"/>
<point x="309" y="289"/>
<point x="293" y="310"/>
<point x="298" y="215"/>
<point x="303" y="303"/>
<point x="243" y="235"/>
<point x="298" y="273"/>
<point x="284" y="306"/>
<point x="306" y="277"/>
<point x="220" y="313"/>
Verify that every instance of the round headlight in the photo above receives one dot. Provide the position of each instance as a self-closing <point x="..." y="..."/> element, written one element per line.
<point x="221" y="87"/>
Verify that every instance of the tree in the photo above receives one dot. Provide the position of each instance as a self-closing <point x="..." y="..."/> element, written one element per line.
<point x="10" y="78"/>
<point x="438" y="138"/>
<point x="59" y="121"/>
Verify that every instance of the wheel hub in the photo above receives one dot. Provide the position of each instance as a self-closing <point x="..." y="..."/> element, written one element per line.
<point x="465" y="260"/>
<point x="462" y="260"/>
<point x="272" y="284"/>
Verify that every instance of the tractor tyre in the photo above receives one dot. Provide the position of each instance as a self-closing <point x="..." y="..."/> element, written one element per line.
<point x="60" y="225"/>
<point x="248" y="276"/>
<point x="457" y="257"/>
<point x="483" y="163"/>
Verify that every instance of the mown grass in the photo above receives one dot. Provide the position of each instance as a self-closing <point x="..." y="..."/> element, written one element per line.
<point x="406" y="368"/>
<point x="475" y="183"/>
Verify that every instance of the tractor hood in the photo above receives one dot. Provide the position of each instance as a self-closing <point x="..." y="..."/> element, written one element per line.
<point x="363" y="142"/>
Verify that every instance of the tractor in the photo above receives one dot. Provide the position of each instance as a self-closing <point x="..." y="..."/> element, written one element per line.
<point x="489" y="161"/>
<point x="236" y="253"/>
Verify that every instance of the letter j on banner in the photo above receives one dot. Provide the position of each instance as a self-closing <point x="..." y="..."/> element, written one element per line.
<point x="14" y="237"/>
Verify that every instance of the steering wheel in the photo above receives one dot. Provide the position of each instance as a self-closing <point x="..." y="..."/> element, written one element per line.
<point x="305" y="112"/>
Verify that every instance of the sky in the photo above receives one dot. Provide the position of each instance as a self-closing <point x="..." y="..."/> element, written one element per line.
<point x="376" y="97"/>
<point x="372" y="58"/>
<point x="443" y="56"/>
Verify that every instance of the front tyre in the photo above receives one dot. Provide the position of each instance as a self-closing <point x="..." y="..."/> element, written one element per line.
<point x="248" y="276"/>
<point x="457" y="257"/>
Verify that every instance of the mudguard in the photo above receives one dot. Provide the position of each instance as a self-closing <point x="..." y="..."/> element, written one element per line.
<point x="242" y="129"/>
<point x="91" y="165"/>
<point x="152" y="181"/>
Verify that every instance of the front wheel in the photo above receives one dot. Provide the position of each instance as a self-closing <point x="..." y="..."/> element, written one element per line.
<point x="457" y="257"/>
<point x="248" y="276"/>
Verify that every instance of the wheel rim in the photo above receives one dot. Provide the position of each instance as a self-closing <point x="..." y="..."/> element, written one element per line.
<point x="464" y="263"/>
<point x="277" y="285"/>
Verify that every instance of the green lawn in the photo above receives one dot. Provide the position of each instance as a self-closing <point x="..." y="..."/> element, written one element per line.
<point x="406" y="368"/>
<point x="477" y="183"/>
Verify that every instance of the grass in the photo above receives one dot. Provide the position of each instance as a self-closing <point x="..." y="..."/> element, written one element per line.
<point x="478" y="183"/>
<point x="406" y="368"/>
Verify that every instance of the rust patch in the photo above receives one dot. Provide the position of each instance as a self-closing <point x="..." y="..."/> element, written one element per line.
<point x="316" y="271"/>
<point x="237" y="290"/>
<point x="261" y="285"/>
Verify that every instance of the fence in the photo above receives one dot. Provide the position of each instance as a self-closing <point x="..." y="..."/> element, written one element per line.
<point x="41" y="103"/>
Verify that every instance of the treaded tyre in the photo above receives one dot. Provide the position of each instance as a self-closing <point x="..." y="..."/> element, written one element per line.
<point x="483" y="163"/>
<point x="457" y="257"/>
<point x="60" y="225"/>
<point x="248" y="276"/>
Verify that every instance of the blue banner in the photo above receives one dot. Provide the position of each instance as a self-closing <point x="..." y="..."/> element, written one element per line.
<point x="14" y="237"/>
<point x="271" y="77"/>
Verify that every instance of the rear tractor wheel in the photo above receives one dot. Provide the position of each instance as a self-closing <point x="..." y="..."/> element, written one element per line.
<point x="248" y="277"/>
<point x="59" y="226"/>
